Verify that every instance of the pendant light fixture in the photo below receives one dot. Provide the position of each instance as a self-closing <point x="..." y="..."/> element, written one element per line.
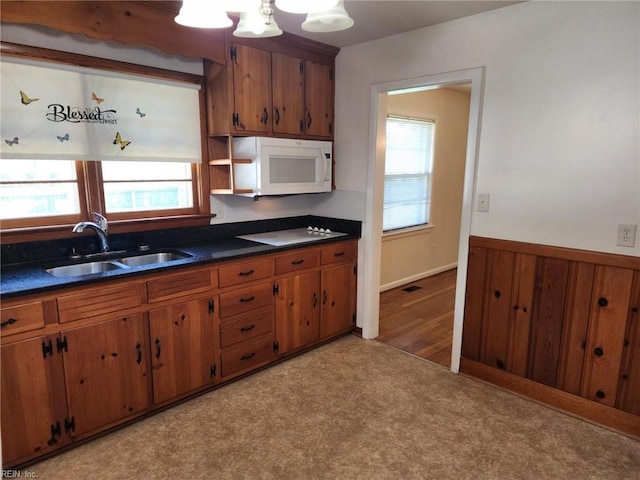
<point x="257" y="16"/>
<point x="332" y="20"/>
<point x="257" y="22"/>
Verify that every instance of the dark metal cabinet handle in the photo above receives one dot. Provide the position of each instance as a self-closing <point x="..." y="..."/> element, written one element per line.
<point x="598" y="351"/>
<point x="600" y="394"/>
<point x="324" y="297"/>
<point x="308" y="120"/>
<point x="157" y="342"/>
<point x="497" y="294"/>
<point x="249" y="328"/>
<point x="138" y="353"/>
<point x="603" y="302"/>
<point x="315" y="300"/>
<point x="248" y="356"/>
<point x="9" y="321"/>
<point x="247" y="299"/>
<point x="338" y="254"/>
<point x="277" y="113"/>
<point x="248" y="272"/>
<point x="297" y="262"/>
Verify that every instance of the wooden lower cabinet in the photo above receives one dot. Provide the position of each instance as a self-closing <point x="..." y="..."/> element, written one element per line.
<point x="33" y="399"/>
<point x="105" y="372"/>
<point x="77" y="362"/>
<point x="183" y="348"/>
<point x="337" y="312"/>
<point x="560" y="318"/>
<point x="297" y="311"/>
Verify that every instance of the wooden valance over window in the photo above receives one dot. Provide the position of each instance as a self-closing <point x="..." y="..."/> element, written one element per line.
<point x="127" y="22"/>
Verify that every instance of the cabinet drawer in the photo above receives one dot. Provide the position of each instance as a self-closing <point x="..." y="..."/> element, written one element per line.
<point x="339" y="252"/>
<point x="246" y="299"/>
<point x="297" y="261"/>
<point x="22" y="318"/>
<point x="244" y="327"/>
<point x="239" y="273"/>
<point x="247" y="355"/>
<point x="187" y="283"/>
<point x="94" y="302"/>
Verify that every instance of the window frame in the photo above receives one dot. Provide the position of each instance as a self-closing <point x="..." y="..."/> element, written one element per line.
<point x="427" y="224"/>
<point x="89" y="175"/>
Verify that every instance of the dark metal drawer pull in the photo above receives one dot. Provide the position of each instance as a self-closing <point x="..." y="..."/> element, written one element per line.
<point x="249" y="328"/>
<point x="297" y="262"/>
<point x="157" y="342"/>
<point x="139" y="353"/>
<point x="248" y="272"/>
<point x="338" y="254"/>
<point x="9" y="321"/>
<point x="247" y="299"/>
<point x="248" y="356"/>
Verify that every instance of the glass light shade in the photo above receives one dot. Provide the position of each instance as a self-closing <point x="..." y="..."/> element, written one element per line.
<point x="203" y="14"/>
<point x="305" y="6"/>
<point x="332" y="20"/>
<point x="253" y="24"/>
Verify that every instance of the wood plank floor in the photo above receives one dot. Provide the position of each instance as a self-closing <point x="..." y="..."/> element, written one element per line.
<point x="420" y="321"/>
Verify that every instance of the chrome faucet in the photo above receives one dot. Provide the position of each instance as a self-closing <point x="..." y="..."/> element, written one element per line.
<point x="100" y="226"/>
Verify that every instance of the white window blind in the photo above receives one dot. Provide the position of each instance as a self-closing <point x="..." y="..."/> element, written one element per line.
<point x="408" y="165"/>
<point x="63" y="112"/>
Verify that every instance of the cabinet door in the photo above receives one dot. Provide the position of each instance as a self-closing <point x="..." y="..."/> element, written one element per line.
<point x="297" y="311"/>
<point x="607" y="325"/>
<point x="31" y="423"/>
<point x="105" y="372"/>
<point x="629" y="385"/>
<point x="319" y="99"/>
<point x="337" y="300"/>
<point x="252" y="89"/>
<point x="182" y="348"/>
<point x="288" y="94"/>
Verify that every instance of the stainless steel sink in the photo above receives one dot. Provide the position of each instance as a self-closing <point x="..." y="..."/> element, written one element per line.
<point x="150" y="258"/>
<point x="83" y="269"/>
<point x="89" y="268"/>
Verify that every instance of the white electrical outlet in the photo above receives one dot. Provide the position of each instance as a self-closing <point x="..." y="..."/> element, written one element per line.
<point x="627" y="235"/>
<point x="483" y="202"/>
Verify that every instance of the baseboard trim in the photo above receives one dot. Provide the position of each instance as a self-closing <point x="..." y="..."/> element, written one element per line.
<point x="622" y="422"/>
<point x="416" y="277"/>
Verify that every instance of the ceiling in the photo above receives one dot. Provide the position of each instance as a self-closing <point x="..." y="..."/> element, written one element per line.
<point x="381" y="18"/>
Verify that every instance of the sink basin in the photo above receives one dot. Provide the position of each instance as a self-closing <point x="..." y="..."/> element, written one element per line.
<point x="89" y="268"/>
<point x="82" y="269"/>
<point x="150" y="258"/>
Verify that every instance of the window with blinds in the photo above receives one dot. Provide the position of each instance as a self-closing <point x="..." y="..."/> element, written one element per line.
<point x="407" y="178"/>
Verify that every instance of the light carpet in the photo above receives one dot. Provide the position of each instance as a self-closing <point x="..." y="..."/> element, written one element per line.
<point x="354" y="409"/>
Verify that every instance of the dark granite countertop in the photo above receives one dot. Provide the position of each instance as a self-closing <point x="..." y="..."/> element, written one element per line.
<point x="23" y="278"/>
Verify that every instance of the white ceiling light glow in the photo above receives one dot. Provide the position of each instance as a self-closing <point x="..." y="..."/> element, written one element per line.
<point x="257" y="16"/>
<point x="203" y="14"/>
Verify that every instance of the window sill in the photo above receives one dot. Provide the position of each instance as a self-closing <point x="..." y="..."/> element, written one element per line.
<point x="407" y="232"/>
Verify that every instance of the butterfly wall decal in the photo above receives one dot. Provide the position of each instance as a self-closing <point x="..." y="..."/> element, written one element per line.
<point x="95" y="97"/>
<point x="140" y="113"/>
<point x="120" y="142"/>
<point x="25" y="99"/>
<point x="13" y="142"/>
<point x="63" y="138"/>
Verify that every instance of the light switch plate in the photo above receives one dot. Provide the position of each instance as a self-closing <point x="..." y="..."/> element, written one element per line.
<point x="483" y="202"/>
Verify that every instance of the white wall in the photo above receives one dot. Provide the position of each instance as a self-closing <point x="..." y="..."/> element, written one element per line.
<point x="559" y="146"/>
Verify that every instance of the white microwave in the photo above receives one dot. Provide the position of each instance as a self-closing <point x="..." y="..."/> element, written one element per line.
<point x="281" y="166"/>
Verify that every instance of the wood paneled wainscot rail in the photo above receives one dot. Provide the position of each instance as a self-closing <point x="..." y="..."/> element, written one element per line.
<point x="80" y="361"/>
<point x="559" y="325"/>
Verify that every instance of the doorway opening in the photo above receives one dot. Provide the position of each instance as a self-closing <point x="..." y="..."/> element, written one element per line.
<point x="418" y="263"/>
<point x="372" y="227"/>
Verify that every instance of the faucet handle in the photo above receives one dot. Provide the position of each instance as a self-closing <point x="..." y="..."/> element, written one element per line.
<point x="101" y="221"/>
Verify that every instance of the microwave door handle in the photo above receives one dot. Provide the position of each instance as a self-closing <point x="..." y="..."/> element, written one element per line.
<point x="327" y="167"/>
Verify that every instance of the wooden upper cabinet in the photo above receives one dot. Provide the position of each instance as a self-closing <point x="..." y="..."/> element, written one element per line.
<point x="319" y="99"/>
<point x="288" y="94"/>
<point x="251" y="89"/>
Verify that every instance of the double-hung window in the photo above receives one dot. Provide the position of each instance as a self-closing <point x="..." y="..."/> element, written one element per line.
<point x="408" y="172"/>
<point x="127" y="145"/>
